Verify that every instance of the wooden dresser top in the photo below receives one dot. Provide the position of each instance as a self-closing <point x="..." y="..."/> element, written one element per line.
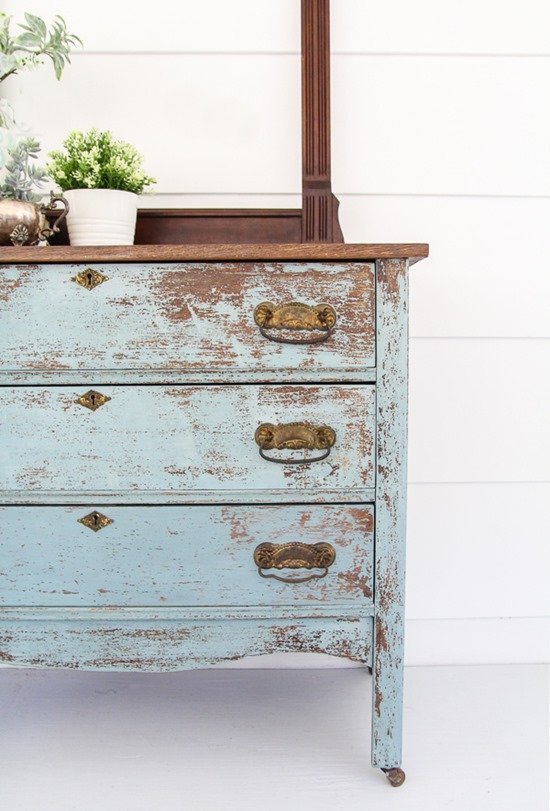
<point x="215" y="252"/>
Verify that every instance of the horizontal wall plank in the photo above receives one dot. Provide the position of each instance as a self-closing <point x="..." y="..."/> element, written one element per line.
<point x="232" y="123"/>
<point x="503" y="640"/>
<point x="211" y="25"/>
<point x="466" y="545"/>
<point x="228" y="199"/>
<point x="429" y="26"/>
<point x="479" y="410"/>
<point x="396" y="26"/>
<point x="487" y="273"/>
<point x="203" y="123"/>
<point x="450" y="125"/>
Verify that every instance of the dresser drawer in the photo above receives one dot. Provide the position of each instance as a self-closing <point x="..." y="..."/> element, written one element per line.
<point x="195" y="555"/>
<point x="186" y="321"/>
<point x="186" y="439"/>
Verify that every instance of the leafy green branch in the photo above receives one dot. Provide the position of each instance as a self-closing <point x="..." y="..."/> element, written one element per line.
<point x="27" y="49"/>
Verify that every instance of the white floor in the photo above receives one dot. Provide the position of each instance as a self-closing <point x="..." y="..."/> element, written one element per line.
<point x="476" y="739"/>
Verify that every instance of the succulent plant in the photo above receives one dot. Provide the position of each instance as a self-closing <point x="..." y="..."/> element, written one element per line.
<point x="22" y="178"/>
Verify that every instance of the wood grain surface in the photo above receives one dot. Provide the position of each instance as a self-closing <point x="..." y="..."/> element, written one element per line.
<point x="214" y="252"/>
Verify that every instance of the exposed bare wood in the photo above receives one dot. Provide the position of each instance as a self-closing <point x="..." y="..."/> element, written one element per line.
<point x="218" y="252"/>
<point x="190" y="317"/>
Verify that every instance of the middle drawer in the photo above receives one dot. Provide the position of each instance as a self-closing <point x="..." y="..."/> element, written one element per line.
<point x="188" y="439"/>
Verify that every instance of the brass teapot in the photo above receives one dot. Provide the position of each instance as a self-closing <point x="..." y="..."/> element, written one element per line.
<point x="25" y="223"/>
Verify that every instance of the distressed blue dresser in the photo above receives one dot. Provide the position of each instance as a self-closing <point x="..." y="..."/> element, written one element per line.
<point x="203" y="457"/>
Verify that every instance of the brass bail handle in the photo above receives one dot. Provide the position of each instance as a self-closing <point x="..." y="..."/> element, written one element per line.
<point x="294" y="436"/>
<point x="49" y="231"/>
<point x="294" y="555"/>
<point x="294" y="579"/>
<point x="319" y="320"/>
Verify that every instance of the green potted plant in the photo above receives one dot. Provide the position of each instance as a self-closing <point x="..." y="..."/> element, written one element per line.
<point x="101" y="178"/>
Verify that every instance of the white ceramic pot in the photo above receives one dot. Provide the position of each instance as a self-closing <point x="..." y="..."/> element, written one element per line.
<point x="101" y="216"/>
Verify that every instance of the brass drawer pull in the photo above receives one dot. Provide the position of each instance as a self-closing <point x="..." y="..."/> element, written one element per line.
<point x="320" y="318"/>
<point x="294" y="555"/>
<point x="294" y="436"/>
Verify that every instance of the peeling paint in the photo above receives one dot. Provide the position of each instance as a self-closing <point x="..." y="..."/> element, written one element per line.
<point x="185" y="317"/>
<point x="391" y="307"/>
<point x="144" y="551"/>
<point x="181" y="438"/>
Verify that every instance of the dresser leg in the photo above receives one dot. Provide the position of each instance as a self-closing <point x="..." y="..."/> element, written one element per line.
<point x="390" y="516"/>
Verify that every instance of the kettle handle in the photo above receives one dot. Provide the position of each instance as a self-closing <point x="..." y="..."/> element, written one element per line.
<point x="49" y="231"/>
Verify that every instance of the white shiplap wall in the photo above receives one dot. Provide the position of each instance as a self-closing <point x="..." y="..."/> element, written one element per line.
<point x="441" y="133"/>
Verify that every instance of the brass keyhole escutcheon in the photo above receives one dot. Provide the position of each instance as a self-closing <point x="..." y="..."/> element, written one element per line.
<point x="92" y="400"/>
<point x="89" y="278"/>
<point x="95" y="521"/>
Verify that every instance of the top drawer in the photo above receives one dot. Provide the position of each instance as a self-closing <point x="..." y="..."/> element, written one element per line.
<point x="184" y="322"/>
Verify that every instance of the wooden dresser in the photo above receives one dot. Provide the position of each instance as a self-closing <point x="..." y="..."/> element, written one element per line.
<point x="203" y="457"/>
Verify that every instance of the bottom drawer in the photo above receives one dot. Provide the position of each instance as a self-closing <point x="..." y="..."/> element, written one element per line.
<point x="192" y="555"/>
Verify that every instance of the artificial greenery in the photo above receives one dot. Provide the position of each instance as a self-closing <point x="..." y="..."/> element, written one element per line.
<point x="21" y="176"/>
<point x="27" y="49"/>
<point x="94" y="160"/>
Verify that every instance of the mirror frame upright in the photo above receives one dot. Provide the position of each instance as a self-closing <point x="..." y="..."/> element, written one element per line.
<point x="319" y="205"/>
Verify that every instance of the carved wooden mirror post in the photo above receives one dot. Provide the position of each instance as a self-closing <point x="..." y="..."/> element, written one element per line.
<point x="319" y="205"/>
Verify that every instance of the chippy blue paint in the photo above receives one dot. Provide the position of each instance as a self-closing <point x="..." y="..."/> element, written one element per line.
<point x="391" y="494"/>
<point x="186" y="438"/>
<point x="176" y="644"/>
<point x="92" y="497"/>
<point x="176" y="556"/>
<point x="188" y="319"/>
<point x="171" y="583"/>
